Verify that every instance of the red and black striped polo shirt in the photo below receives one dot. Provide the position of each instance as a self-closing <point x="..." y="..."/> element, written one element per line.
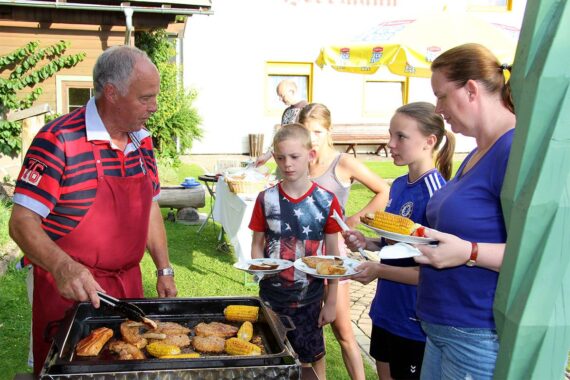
<point x="58" y="179"/>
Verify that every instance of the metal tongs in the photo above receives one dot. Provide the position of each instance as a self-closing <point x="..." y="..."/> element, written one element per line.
<point x="129" y="310"/>
<point x="345" y="228"/>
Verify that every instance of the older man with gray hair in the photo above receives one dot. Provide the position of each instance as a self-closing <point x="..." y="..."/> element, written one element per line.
<point x="85" y="201"/>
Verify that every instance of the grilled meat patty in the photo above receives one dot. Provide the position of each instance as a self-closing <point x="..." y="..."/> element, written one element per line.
<point x="209" y="344"/>
<point x="221" y="330"/>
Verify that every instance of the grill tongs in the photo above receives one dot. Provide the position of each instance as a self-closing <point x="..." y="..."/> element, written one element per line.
<point x="129" y="310"/>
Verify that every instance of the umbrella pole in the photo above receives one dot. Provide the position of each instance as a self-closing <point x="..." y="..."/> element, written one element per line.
<point x="406" y="94"/>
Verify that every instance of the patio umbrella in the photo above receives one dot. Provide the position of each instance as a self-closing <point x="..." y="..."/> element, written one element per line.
<point x="407" y="47"/>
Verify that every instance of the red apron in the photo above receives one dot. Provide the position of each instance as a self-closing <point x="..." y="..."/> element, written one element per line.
<point x="110" y="240"/>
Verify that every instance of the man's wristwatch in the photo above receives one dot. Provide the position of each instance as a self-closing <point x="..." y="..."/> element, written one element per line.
<point x="165" y="272"/>
<point x="474" y="252"/>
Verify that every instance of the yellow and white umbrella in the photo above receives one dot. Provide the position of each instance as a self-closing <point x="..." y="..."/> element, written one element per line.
<point x="407" y="47"/>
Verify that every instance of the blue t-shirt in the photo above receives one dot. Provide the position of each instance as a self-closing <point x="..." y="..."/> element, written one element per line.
<point x="394" y="306"/>
<point x="469" y="206"/>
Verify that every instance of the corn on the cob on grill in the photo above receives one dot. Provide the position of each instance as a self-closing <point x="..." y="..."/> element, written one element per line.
<point x="241" y="313"/>
<point x="159" y="349"/>
<point x="245" y="332"/>
<point x="190" y="355"/>
<point x="390" y="222"/>
<point x="235" y="346"/>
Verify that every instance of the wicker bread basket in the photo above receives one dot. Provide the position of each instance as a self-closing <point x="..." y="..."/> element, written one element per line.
<point x="240" y="186"/>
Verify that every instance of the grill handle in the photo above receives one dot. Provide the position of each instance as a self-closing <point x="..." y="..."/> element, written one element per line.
<point x="281" y="326"/>
<point x="287" y="322"/>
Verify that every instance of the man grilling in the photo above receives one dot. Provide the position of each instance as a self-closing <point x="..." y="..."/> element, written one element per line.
<point x="85" y="201"/>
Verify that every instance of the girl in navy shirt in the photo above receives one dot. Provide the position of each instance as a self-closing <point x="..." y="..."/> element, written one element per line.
<point x="398" y="341"/>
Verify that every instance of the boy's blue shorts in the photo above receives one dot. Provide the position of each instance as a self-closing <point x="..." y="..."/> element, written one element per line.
<point x="307" y="337"/>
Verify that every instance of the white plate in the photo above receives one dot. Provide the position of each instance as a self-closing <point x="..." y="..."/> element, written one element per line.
<point x="283" y="264"/>
<point x="350" y="264"/>
<point x="398" y="251"/>
<point x="403" y="238"/>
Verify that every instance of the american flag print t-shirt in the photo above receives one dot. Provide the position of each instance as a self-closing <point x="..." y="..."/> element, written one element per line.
<point x="294" y="228"/>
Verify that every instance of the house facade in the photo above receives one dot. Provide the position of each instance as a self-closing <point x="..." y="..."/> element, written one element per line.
<point x="235" y="58"/>
<point x="90" y="27"/>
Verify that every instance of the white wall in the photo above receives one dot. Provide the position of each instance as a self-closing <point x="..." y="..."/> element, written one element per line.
<point x="225" y="56"/>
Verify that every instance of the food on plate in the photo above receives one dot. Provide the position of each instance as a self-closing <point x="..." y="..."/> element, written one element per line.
<point x="312" y="261"/>
<point x="268" y="265"/>
<point x="329" y="268"/>
<point x="159" y="349"/>
<point x="245" y="332"/>
<point x="209" y="344"/>
<point x="419" y="231"/>
<point x="126" y="350"/>
<point x="92" y="344"/>
<point x="392" y="223"/>
<point x="235" y="346"/>
<point x="130" y="331"/>
<point x="241" y="313"/>
<point x="219" y="329"/>
<point x="178" y="340"/>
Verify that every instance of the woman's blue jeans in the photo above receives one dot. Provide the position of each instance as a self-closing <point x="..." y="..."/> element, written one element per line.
<point x="458" y="353"/>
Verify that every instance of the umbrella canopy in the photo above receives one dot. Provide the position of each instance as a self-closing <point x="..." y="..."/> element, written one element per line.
<point x="407" y="47"/>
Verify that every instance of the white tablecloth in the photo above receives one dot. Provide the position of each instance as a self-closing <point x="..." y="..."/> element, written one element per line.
<point x="234" y="214"/>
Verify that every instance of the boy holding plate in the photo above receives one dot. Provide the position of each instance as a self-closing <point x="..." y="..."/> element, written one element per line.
<point x="291" y="220"/>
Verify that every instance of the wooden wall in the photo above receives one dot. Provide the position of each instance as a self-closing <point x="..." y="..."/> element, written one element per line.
<point x="91" y="39"/>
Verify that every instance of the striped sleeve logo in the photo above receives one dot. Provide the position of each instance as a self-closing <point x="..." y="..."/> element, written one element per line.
<point x="33" y="172"/>
<point x="433" y="183"/>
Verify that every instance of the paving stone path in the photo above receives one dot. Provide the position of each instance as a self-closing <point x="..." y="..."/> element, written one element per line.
<point x="360" y="299"/>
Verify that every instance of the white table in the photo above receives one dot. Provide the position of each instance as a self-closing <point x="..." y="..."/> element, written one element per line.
<point x="233" y="212"/>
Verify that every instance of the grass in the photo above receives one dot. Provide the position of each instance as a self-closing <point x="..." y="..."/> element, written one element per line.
<point x="5" y="208"/>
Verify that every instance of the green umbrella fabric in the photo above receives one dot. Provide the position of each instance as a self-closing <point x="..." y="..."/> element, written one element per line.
<point x="532" y="301"/>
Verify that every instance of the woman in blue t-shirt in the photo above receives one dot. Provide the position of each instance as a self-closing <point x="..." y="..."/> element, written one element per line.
<point x="458" y="278"/>
<point x="397" y="341"/>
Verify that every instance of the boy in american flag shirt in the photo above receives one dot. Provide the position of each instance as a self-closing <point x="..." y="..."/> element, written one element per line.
<point x="290" y="220"/>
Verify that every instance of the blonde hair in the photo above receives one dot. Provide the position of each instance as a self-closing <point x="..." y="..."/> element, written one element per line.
<point x="319" y="113"/>
<point x="476" y="62"/>
<point x="293" y="131"/>
<point x="431" y="123"/>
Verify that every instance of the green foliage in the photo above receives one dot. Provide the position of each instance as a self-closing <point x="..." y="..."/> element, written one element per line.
<point x="5" y="209"/>
<point x="26" y="72"/>
<point x="176" y="124"/>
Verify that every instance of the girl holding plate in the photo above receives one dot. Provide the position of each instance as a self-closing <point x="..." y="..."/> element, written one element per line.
<point x="336" y="172"/>
<point x="397" y="341"/>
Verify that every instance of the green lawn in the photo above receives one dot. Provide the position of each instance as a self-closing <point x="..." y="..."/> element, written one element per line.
<point x="201" y="271"/>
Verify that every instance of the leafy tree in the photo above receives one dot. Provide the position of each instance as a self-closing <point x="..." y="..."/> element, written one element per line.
<point x="25" y="73"/>
<point x="176" y="124"/>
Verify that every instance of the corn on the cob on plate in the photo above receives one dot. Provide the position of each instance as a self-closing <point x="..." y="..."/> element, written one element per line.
<point x="235" y="346"/>
<point x="241" y="313"/>
<point x="390" y="222"/>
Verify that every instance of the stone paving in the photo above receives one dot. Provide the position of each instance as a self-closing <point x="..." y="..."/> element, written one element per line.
<point x="360" y="299"/>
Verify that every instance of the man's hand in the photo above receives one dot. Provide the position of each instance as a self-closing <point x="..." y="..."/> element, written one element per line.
<point x="263" y="158"/>
<point x="166" y="287"/>
<point x="75" y="282"/>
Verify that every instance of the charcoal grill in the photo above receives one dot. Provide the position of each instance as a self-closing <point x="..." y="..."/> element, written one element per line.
<point x="278" y="362"/>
